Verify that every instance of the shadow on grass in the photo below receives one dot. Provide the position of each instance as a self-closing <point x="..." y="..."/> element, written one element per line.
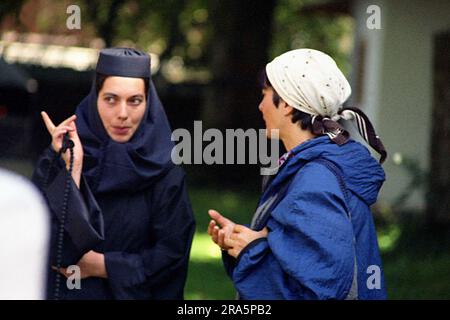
<point x="237" y="206"/>
<point x="417" y="277"/>
<point x="418" y="267"/>
<point x="208" y="281"/>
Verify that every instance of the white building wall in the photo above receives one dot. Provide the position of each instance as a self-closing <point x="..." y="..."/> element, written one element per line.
<point x="398" y="92"/>
<point x="373" y="40"/>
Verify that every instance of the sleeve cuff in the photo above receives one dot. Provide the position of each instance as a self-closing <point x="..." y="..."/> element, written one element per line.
<point x="124" y="269"/>
<point x="251" y="245"/>
<point x="84" y="222"/>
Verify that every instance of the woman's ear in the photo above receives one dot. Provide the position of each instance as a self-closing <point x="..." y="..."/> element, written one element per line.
<point x="287" y="109"/>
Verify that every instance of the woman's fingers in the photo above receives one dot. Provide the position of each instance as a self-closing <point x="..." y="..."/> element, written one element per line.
<point x="61" y="130"/>
<point x="213" y="231"/>
<point x="215" y="234"/>
<point x="58" y="133"/>
<point x="211" y="226"/>
<point x="221" y="240"/>
<point x="51" y="126"/>
<point x="224" y="236"/>
<point x="48" y="122"/>
<point x="239" y="228"/>
<point x="218" y="217"/>
<point x="61" y="270"/>
<point x="73" y="126"/>
<point x="73" y="134"/>
<point x="68" y="121"/>
<point x="233" y="252"/>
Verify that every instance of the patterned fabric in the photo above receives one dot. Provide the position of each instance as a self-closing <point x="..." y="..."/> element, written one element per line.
<point x="310" y="81"/>
<point x="284" y="157"/>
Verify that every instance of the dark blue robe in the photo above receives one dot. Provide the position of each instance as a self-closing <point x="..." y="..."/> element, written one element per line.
<point x="132" y="206"/>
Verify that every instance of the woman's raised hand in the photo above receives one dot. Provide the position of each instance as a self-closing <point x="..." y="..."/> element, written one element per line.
<point x="57" y="133"/>
<point x="219" y="228"/>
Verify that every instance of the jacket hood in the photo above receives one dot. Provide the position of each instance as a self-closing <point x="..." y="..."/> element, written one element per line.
<point x="363" y="175"/>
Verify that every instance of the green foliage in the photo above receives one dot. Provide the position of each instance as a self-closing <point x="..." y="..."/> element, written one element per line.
<point x="416" y="259"/>
<point x="412" y="277"/>
<point x="8" y="7"/>
<point x="183" y="27"/>
<point x="330" y="34"/>
<point x="417" y="175"/>
<point x="237" y="206"/>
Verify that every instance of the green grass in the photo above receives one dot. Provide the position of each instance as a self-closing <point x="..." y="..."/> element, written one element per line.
<point x="419" y="271"/>
<point x="413" y="277"/>
<point x="237" y="206"/>
<point x="207" y="279"/>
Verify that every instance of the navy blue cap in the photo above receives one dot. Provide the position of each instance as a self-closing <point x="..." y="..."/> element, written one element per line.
<point x="124" y="62"/>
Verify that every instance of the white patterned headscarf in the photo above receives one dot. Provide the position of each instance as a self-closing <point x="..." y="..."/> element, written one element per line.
<point x="310" y="81"/>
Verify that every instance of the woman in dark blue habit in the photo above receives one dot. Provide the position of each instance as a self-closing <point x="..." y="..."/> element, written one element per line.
<point x="128" y="224"/>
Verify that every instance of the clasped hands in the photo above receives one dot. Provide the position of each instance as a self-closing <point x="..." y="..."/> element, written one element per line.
<point x="230" y="236"/>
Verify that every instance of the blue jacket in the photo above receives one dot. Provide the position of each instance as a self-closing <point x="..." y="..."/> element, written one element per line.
<point x="309" y="252"/>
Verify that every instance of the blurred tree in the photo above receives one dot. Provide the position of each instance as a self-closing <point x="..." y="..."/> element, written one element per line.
<point x="246" y="35"/>
<point x="242" y="33"/>
<point x="104" y="16"/>
<point x="197" y="31"/>
<point x="10" y="7"/>
<point x="439" y="178"/>
<point x="298" y="25"/>
<point x="223" y="44"/>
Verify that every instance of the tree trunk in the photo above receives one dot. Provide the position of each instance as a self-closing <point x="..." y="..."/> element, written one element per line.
<point x="241" y="37"/>
<point x="238" y="52"/>
<point x="439" y="179"/>
<point x="105" y="25"/>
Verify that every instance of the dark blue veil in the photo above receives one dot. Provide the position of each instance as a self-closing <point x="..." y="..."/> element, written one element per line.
<point x="138" y="163"/>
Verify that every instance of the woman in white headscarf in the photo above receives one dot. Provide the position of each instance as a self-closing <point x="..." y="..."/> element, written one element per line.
<point x="312" y="236"/>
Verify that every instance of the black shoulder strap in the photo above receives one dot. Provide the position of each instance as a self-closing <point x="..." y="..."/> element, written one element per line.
<point x="265" y="209"/>
<point x="338" y="174"/>
<point x="353" y="292"/>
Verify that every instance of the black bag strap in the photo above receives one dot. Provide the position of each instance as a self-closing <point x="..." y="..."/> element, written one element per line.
<point x="264" y="210"/>
<point x="353" y="292"/>
<point x="338" y="174"/>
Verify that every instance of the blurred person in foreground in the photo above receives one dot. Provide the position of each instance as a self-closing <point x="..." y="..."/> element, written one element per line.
<point x="24" y="236"/>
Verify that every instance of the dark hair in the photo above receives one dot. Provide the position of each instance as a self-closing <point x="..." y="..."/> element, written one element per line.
<point x="304" y="119"/>
<point x="100" y="80"/>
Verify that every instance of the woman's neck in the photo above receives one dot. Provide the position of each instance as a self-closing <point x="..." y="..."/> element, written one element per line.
<point x="294" y="135"/>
